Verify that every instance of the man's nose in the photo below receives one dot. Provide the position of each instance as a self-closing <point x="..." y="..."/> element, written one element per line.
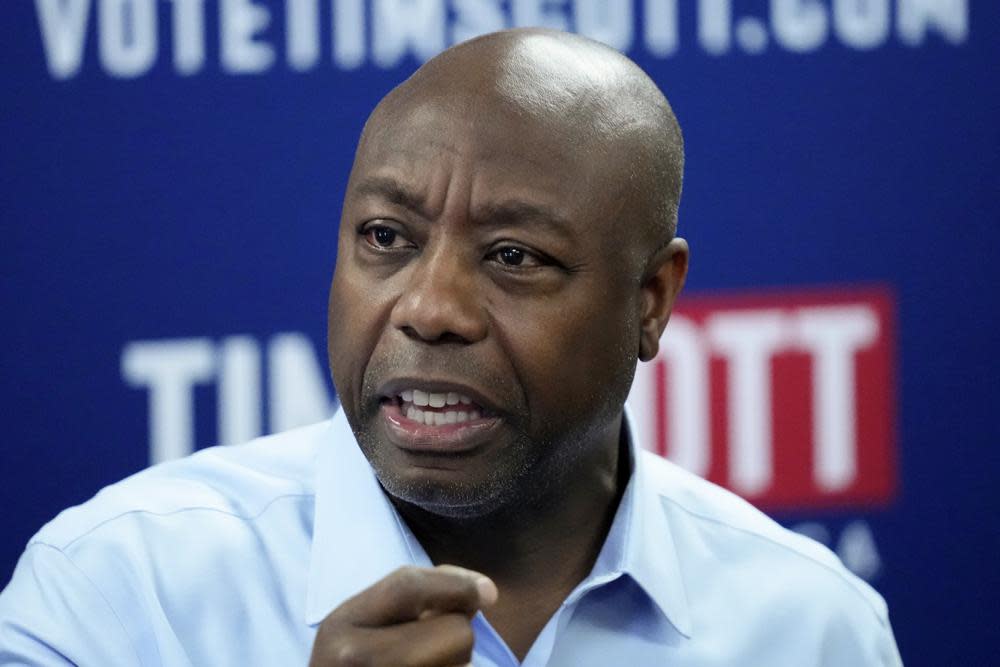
<point x="440" y="302"/>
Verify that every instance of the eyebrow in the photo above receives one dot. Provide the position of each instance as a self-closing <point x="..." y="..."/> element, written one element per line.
<point x="392" y="191"/>
<point x="491" y="214"/>
<point x="521" y="213"/>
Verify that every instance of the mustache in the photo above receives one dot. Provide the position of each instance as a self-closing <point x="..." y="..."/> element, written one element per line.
<point x="455" y="364"/>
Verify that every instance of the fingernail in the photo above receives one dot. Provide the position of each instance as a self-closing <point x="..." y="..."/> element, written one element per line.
<point x="488" y="592"/>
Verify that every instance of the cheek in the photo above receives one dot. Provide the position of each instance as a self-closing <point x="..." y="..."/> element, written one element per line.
<point x="575" y="355"/>
<point x="357" y="313"/>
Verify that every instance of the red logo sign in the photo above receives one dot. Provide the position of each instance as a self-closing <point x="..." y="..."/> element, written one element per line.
<point x="786" y="398"/>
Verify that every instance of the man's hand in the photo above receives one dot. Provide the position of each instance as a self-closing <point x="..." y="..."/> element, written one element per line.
<point x="415" y="617"/>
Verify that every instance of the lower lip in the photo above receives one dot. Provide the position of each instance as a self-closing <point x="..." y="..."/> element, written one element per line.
<point x="446" y="438"/>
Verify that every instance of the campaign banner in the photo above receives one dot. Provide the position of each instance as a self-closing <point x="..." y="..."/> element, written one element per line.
<point x="171" y="176"/>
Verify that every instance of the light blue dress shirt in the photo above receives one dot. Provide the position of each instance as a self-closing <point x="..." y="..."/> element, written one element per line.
<point x="234" y="556"/>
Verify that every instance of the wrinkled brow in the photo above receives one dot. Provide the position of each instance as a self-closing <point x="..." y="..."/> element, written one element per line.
<point x="508" y="213"/>
<point x="392" y="191"/>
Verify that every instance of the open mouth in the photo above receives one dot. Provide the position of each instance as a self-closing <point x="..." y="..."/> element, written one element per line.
<point x="437" y="408"/>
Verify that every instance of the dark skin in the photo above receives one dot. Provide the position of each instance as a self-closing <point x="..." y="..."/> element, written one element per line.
<point x="504" y="236"/>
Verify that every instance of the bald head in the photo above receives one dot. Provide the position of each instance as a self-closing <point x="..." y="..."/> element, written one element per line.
<point x="570" y="87"/>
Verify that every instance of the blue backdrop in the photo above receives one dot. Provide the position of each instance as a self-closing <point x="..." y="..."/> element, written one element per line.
<point x="170" y="185"/>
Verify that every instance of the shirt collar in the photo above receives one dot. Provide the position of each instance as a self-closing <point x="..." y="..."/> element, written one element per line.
<point x="640" y="543"/>
<point x="359" y="538"/>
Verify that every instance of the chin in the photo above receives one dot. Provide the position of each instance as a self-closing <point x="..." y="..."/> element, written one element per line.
<point x="487" y="481"/>
<point x="435" y="494"/>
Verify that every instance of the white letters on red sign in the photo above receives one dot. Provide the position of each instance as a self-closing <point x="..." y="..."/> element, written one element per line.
<point x="682" y="414"/>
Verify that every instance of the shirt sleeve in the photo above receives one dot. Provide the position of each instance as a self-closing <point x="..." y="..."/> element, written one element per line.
<point x="51" y="613"/>
<point x="855" y="638"/>
<point x="889" y="651"/>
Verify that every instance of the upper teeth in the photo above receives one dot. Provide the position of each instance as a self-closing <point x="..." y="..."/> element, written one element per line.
<point x="433" y="399"/>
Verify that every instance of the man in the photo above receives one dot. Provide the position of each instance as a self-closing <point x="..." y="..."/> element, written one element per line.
<point x="507" y="253"/>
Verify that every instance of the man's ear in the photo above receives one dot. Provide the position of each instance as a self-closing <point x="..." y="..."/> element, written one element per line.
<point x="661" y="283"/>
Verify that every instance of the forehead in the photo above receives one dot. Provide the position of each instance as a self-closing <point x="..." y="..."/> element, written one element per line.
<point x="490" y="151"/>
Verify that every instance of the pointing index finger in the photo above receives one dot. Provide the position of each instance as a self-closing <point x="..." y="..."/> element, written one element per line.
<point x="487" y="590"/>
<point x="412" y="593"/>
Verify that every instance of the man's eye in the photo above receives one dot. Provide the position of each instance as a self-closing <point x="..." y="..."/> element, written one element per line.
<point x="513" y="256"/>
<point x="381" y="236"/>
